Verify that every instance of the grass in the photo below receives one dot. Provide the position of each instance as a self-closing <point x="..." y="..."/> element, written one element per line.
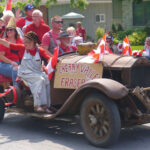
<point x="139" y="47"/>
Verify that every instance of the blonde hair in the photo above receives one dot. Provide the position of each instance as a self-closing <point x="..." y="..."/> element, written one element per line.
<point x="71" y="30"/>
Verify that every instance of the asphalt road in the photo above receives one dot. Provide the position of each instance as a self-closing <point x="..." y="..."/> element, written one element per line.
<point x="20" y="132"/>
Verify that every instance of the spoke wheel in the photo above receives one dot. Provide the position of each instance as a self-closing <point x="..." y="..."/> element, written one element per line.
<point x="100" y="120"/>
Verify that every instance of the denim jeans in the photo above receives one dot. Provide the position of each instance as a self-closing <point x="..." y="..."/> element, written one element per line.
<point x="8" y="71"/>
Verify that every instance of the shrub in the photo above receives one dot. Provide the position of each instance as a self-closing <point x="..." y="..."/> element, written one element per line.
<point x="147" y="30"/>
<point x="121" y="35"/>
<point x="113" y="28"/>
<point x="99" y="33"/>
<point x="120" y="28"/>
<point x="137" y="38"/>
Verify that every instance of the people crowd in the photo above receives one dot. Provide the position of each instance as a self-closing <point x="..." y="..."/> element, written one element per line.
<point x="26" y="41"/>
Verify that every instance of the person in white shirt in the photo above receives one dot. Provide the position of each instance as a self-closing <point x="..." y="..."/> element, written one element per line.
<point x="75" y="39"/>
<point x="147" y="48"/>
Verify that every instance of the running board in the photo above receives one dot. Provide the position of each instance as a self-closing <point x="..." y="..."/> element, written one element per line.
<point x="33" y="114"/>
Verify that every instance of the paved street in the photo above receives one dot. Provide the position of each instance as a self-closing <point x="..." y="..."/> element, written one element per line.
<point x="20" y="132"/>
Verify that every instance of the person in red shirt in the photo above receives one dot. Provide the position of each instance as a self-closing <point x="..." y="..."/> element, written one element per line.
<point x="21" y="22"/>
<point x="49" y="40"/>
<point x="65" y="46"/>
<point x="30" y="70"/>
<point x="9" y="58"/>
<point x="80" y="31"/>
<point x="37" y="25"/>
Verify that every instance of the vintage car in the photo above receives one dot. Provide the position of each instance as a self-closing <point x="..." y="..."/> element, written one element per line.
<point x="108" y="95"/>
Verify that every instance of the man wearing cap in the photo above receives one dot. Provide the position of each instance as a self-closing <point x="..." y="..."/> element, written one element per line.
<point x="65" y="46"/>
<point x="37" y="24"/>
<point x="23" y="21"/>
<point x="49" y="39"/>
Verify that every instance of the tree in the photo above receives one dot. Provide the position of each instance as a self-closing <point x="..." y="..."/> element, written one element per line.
<point x="18" y="4"/>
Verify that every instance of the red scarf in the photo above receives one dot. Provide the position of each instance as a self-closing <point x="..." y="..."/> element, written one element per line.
<point x="32" y="51"/>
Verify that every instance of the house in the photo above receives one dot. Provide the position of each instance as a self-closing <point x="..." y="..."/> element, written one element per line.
<point x="130" y="14"/>
<point x="97" y="14"/>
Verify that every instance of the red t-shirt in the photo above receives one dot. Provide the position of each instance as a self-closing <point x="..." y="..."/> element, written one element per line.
<point x="21" y="48"/>
<point x="9" y="52"/>
<point x="67" y="49"/>
<point x="21" y="22"/>
<point x="40" y="31"/>
<point x="81" y="32"/>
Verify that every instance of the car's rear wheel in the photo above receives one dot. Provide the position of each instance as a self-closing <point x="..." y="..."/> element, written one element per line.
<point x="2" y="110"/>
<point x="100" y="120"/>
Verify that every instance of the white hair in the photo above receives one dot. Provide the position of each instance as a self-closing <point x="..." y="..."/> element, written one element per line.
<point x="37" y="11"/>
<point x="8" y="13"/>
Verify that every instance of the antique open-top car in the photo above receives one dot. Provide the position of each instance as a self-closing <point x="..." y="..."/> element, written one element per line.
<point x="107" y="95"/>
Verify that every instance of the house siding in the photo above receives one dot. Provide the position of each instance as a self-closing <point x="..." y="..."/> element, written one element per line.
<point x="89" y="22"/>
<point x="117" y="12"/>
<point x="127" y="15"/>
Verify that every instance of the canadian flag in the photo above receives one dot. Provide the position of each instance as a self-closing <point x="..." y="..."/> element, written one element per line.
<point x="51" y="65"/>
<point x="8" y="6"/>
<point x="126" y="47"/>
<point x="98" y="53"/>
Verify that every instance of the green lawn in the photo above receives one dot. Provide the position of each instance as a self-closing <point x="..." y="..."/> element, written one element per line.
<point x="139" y="47"/>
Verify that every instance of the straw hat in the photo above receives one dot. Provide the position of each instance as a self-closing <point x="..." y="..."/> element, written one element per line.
<point x="12" y="23"/>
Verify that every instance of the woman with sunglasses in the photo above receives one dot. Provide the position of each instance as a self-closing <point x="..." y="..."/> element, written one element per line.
<point x="30" y="70"/>
<point x="9" y="58"/>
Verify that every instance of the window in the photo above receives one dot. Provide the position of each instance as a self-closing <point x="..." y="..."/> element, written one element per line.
<point x="100" y="18"/>
<point x="141" y="13"/>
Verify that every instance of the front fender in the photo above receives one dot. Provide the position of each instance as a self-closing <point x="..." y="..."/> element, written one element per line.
<point x="110" y="88"/>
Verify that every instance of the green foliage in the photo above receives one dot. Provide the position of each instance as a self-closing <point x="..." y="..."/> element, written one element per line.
<point x="120" y="28"/>
<point x="137" y="38"/>
<point x="147" y="30"/>
<point x="18" y="4"/>
<point x="113" y="28"/>
<point x="120" y="35"/>
<point x="79" y="3"/>
<point x="115" y="41"/>
<point x="139" y="47"/>
<point x="99" y="32"/>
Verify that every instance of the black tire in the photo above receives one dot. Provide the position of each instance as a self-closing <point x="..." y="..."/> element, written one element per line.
<point x="100" y="120"/>
<point x="2" y="110"/>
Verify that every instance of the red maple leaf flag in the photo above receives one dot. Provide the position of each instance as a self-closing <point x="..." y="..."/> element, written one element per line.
<point x="8" y="6"/>
<point x="126" y="47"/>
<point x="51" y="65"/>
<point x="98" y="53"/>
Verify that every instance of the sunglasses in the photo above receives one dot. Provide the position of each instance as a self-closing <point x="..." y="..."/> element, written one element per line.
<point x="7" y="30"/>
<point x="59" y="22"/>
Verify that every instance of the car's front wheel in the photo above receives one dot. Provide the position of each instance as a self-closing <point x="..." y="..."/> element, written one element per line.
<point x="100" y="120"/>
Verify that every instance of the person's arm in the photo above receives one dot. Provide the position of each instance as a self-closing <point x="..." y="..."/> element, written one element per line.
<point x="46" y="42"/>
<point x="6" y="60"/>
<point x="5" y="43"/>
<point x="43" y="53"/>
